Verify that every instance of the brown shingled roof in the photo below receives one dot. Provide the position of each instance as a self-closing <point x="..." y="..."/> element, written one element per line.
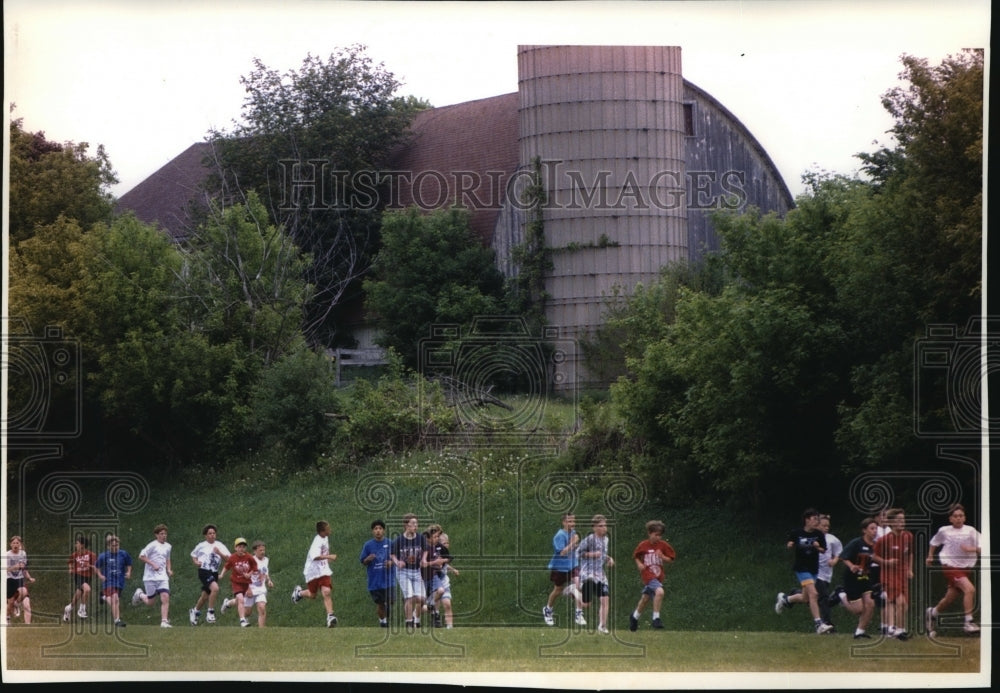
<point x="471" y="147"/>
<point x="165" y="197"/>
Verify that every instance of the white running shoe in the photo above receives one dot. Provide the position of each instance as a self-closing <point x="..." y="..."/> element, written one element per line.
<point x="970" y="627"/>
<point x="165" y="624"/>
<point x="138" y="596"/>
<point x="225" y="604"/>
<point x="82" y="611"/>
<point x="780" y="604"/>
<point x="547" y="615"/>
<point x="210" y="617"/>
<point x="193" y="617"/>
<point x="67" y="612"/>
<point x="823" y="628"/>
<point x="603" y="630"/>
<point x="244" y="623"/>
<point x="331" y="620"/>
<point x="930" y="621"/>
<point x="580" y="620"/>
<point x="296" y="594"/>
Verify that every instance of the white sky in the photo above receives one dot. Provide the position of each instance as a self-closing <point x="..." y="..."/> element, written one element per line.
<point x="147" y="79"/>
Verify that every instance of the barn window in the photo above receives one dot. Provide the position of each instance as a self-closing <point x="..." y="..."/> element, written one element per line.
<point x="689" y="119"/>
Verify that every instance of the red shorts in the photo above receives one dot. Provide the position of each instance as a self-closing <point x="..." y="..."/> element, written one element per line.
<point x="897" y="588"/>
<point x="953" y="575"/>
<point x="241" y="588"/>
<point x="314" y="586"/>
<point x="110" y="591"/>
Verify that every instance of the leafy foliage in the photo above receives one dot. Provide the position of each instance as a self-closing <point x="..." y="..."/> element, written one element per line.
<point x="49" y="180"/>
<point x="431" y="269"/>
<point x="802" y="367"/>
<point x="294" y="405"/>
<point x="331" y="123"/>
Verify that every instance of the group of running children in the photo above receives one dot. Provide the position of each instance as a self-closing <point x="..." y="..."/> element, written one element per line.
<point x="878" y="568"/>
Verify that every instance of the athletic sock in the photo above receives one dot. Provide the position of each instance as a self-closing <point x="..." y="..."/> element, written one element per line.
<point x="635" y="613"/>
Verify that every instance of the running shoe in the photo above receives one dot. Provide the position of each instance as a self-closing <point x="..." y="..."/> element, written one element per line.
<point x="547" y="615"/>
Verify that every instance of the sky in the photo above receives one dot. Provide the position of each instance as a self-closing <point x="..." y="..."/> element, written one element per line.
<point x="149" y="79"/>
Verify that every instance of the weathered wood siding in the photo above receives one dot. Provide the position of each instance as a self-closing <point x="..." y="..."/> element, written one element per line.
<point x="726" y="168"/>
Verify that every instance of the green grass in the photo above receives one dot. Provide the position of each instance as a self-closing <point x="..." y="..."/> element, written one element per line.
<point x="501" y="507"/>
<point x="528" y="649"/>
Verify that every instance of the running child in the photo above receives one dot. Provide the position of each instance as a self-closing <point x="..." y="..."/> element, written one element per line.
<point x="208" y="555"/>
<point x="959" y="546"/>
<point x="858" y="558"/>
<point x="376" y="557"/>
<point x="650" y="556"/>
<point x="241" y="564"/>
<point x="116" y="565"/>
<point x="18" y="599"/>
<point x="807" y="543"/>
<point x="895" y="556"/>
<point x="317" y="572"/>
<point x="260" y="582"/>
<point x="441" y="583"/>
<point x="564" y="570"/>
<point x="156" y="574"/>
<point x="593" y="551"/>
<point x="82" y="566"/>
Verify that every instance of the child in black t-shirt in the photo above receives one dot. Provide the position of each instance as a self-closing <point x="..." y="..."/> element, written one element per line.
<point x="807" y="542"/>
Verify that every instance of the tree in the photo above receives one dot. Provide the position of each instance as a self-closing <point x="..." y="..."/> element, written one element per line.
<point x="431" y="269"/>
<point x="245" y="280"/>
<point x="332" y="124"/>
<point x="808" y="352"/>
<point x="49" y="180"/>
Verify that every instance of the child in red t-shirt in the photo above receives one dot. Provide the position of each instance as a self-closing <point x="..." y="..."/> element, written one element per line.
<point x="894" y="552"/>
<point x="82" y="565"/>
<point x="650" y="555"/>
<point x="241" y="565"/>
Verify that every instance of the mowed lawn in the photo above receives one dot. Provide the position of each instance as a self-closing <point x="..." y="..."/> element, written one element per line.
<point x="232" y="652"/>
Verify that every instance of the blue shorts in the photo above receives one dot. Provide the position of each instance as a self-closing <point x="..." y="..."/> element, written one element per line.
<point x="651" y="587"/>
<point x="806" y="578"/>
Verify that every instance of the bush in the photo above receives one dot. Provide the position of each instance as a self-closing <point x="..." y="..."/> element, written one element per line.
<point x="295" y="405"/>
<point x="395" y="414"/>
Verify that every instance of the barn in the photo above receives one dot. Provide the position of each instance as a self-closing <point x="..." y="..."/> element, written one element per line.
<point x="634" y="159"/>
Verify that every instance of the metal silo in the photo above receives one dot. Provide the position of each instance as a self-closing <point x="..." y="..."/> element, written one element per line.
<point x="608" y="124"/>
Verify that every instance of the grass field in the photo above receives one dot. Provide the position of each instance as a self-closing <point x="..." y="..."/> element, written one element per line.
<point x="501" y="507"/>
<point x="225" y="648"/>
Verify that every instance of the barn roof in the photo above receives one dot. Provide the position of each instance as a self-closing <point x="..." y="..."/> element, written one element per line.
<point x="459" y="154"/>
